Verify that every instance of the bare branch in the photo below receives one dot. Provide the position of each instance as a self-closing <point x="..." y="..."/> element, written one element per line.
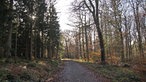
<point x="88" y="7"/>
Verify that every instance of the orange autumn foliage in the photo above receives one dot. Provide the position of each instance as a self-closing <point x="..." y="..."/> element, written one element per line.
<point x="95" y="56"/>
<point x="112" y="59"/>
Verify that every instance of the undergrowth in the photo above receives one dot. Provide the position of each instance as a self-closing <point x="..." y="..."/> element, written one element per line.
<point x="26" y="71"/>
<point x="115" y="73"/>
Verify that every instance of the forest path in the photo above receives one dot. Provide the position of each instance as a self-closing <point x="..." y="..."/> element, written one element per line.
<point x="74" y="72"/>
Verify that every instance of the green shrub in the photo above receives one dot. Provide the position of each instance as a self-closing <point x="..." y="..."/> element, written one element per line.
<point x="54" y="63"/>
<point x="125" y="75"/>
<point x="25" y="76"/>
<point x="128" y="76"/>
<point x="3" y="74"/>
<point x="31" y="64"/>
<point x="11" y="78"/>
<point x="10" y="60"/>
<point x="47" y="69"/>
<point x="6" y="76"/>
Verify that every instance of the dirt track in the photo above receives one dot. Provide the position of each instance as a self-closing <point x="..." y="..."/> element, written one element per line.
<point x="74" y="72"/>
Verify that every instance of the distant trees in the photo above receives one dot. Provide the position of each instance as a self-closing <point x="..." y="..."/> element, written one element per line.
<point x="138" y="26"/>
<point x="28" y="29"/>
<point x="120" y="29"/>
<point x="84" y="12"/>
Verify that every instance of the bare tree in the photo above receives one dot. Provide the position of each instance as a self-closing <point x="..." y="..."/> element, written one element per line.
<point x="93" y="8"/>
<point x="135" y="6"/>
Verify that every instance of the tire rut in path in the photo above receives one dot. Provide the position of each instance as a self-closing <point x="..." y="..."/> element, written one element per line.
<point x="74" y="72"/>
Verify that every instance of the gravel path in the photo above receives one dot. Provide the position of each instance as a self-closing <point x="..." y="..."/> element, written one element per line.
<point x="74" y="72"/>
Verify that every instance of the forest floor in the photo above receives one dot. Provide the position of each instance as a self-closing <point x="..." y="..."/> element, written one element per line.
<point x="44" y="70"/>
<point x="20" y="70"/>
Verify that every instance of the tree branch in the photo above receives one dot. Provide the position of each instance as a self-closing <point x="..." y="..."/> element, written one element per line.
<point x="92" y="11"/>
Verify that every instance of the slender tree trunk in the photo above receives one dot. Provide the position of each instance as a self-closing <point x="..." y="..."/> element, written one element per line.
<point x="42" y="45"/>
<point x="90" y="38"/>
<point x="27" y="47"/>
<point x="31" y="41"/>
<point x="67" y="51"/>
<point x="9" y="43"/>
<point x="136" y="14"/>
<point x="87" y="49"/>
<point x="122" y="45"/>
<point x="9" y="40"/>
<point x="94" y="41"/>
<point x="77" y="46"/>
<point x="16" y="35"/>
<point x="80" y="44"/>
<point x="50" y="50"/>
<point x="83" y="42"/>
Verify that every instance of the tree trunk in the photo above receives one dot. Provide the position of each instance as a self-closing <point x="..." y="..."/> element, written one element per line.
<point x="138" y="28"/>
<point x="87" y="49"/>
<point x="9" y="40"/>
<point x="80" y="44"/>
<point x="9" y="43"/>
<point x="42" y="45"/>
<point x="100" y="36"/>
<point x="67" y="53"/>
<point x="122" y="45"/>
<point x="94" y="12"/>
<point x="83" y="42"/>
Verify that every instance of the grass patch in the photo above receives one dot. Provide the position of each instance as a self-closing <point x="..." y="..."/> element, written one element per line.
<point x="115" y="73"/>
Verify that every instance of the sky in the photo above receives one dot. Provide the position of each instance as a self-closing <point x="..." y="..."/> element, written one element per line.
<point x="62" y="7"/>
